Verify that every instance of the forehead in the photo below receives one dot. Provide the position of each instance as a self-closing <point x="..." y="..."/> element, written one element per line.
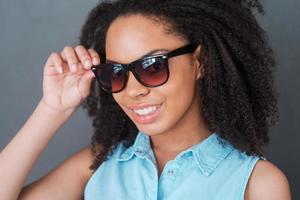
<point x="131" y="37"/>
<point x="152" y="52"/>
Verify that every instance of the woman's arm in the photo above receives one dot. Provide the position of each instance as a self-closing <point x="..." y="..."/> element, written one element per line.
<point x="267" y="182"/>
<point x="66" y="83"/>
<point x="19" y="156"/>
<point x="66" y="182"/>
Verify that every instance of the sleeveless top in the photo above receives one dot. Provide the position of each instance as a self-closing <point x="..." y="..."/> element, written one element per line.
<point x="209" y="170"/>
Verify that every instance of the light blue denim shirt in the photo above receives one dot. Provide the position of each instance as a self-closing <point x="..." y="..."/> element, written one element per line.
<point x="208" y="170"/>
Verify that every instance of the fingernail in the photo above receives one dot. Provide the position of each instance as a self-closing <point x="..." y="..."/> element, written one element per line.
<point x="95" y="61"/>
<point x="59" y="70"/>
<point x="73" y="67"/>
<point x="87" y="63"/>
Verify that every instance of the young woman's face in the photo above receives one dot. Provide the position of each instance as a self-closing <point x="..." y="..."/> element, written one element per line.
<point x="131" y="37"/>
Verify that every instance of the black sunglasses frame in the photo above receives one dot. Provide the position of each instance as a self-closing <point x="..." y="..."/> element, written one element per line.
<point x="189" y="48"/>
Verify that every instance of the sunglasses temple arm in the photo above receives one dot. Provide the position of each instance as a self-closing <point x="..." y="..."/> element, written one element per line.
<point x="186" y="49"/>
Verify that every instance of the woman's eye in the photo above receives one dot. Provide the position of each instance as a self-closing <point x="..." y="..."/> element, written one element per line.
<point x="155" y="67"/>
<point x="151" y="65"/>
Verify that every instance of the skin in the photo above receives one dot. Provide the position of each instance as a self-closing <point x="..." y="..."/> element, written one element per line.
<point x="179" y="125"/>
<point x="67" y="80"/>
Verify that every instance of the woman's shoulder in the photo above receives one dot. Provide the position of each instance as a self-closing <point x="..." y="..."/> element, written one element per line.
<point x="85" y="156"/>
<point x="83" y="159"/>
<point x="75" y="169"/>
<point x="267" y="181"/>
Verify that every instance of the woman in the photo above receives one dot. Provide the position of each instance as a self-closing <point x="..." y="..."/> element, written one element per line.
<point x="181" y="95"/>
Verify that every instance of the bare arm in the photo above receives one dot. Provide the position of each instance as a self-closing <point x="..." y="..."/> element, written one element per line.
<point x="267" y="182"/>
<point x="18" y="157"/>
<point x="63" y="91"/>
<point x="66" y="181"/>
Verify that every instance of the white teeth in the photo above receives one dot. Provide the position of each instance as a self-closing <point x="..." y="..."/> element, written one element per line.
<point x="145" y="111"/>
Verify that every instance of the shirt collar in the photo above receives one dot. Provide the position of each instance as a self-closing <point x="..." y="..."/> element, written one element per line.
<point x="208" y="153"/>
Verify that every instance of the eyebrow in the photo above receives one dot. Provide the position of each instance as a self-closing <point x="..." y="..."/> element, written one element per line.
<point x="145" y="55"/>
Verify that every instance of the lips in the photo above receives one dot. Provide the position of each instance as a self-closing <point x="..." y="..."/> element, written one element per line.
<point x="140" y="115"/>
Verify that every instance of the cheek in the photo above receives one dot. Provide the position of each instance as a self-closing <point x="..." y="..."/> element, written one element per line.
<point x="176" y="94"/>
<point x="118" y="99"/>
<point x="180" y="88"/>
<point x="181" y="80"/>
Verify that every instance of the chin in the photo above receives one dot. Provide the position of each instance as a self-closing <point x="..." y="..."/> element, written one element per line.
<point x="151" y="129"/>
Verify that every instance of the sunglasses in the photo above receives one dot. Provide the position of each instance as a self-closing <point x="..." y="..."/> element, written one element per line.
<point x="150" y="71"/>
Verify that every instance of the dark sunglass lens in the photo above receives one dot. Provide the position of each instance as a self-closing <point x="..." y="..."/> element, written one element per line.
<point x="152" y="71"/>
<point x="111" y="77"/>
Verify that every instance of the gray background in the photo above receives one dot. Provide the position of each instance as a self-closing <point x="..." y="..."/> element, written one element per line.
<point x="30" y="30"/>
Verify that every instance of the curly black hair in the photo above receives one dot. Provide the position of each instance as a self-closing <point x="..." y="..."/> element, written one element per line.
<point x="238" y="91"/>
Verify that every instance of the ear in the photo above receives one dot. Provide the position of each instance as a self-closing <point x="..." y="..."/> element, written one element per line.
<point x="197" y="63"/>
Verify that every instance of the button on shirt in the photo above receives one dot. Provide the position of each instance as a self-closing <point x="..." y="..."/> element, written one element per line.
<point x="210" y="170"/>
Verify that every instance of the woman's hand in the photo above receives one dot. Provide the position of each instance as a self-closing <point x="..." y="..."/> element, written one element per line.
<point x="67" y="77"/>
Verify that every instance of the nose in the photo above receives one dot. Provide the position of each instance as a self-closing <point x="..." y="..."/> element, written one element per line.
<point x="134" y="88"/>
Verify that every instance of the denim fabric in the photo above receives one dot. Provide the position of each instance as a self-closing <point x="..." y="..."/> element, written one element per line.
<point x="210" y="170"/>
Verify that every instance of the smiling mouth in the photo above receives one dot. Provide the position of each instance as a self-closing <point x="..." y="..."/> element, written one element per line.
<point x="146" y="111"/>
<point x="143" y="114"/>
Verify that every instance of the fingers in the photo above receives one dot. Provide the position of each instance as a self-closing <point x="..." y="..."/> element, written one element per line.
<point x="80" y="55"/>
<point x="54" y="63"/>
<point x="69" y="55"/>
<point x="87" y="57"/>
<point x="85" y="83"/>
<point x="72" y="59"/>
<point x="95" y="57"/>
<point x="84" y="56"/>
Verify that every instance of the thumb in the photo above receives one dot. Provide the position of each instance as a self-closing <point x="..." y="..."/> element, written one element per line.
<point x="85" y="83"/>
